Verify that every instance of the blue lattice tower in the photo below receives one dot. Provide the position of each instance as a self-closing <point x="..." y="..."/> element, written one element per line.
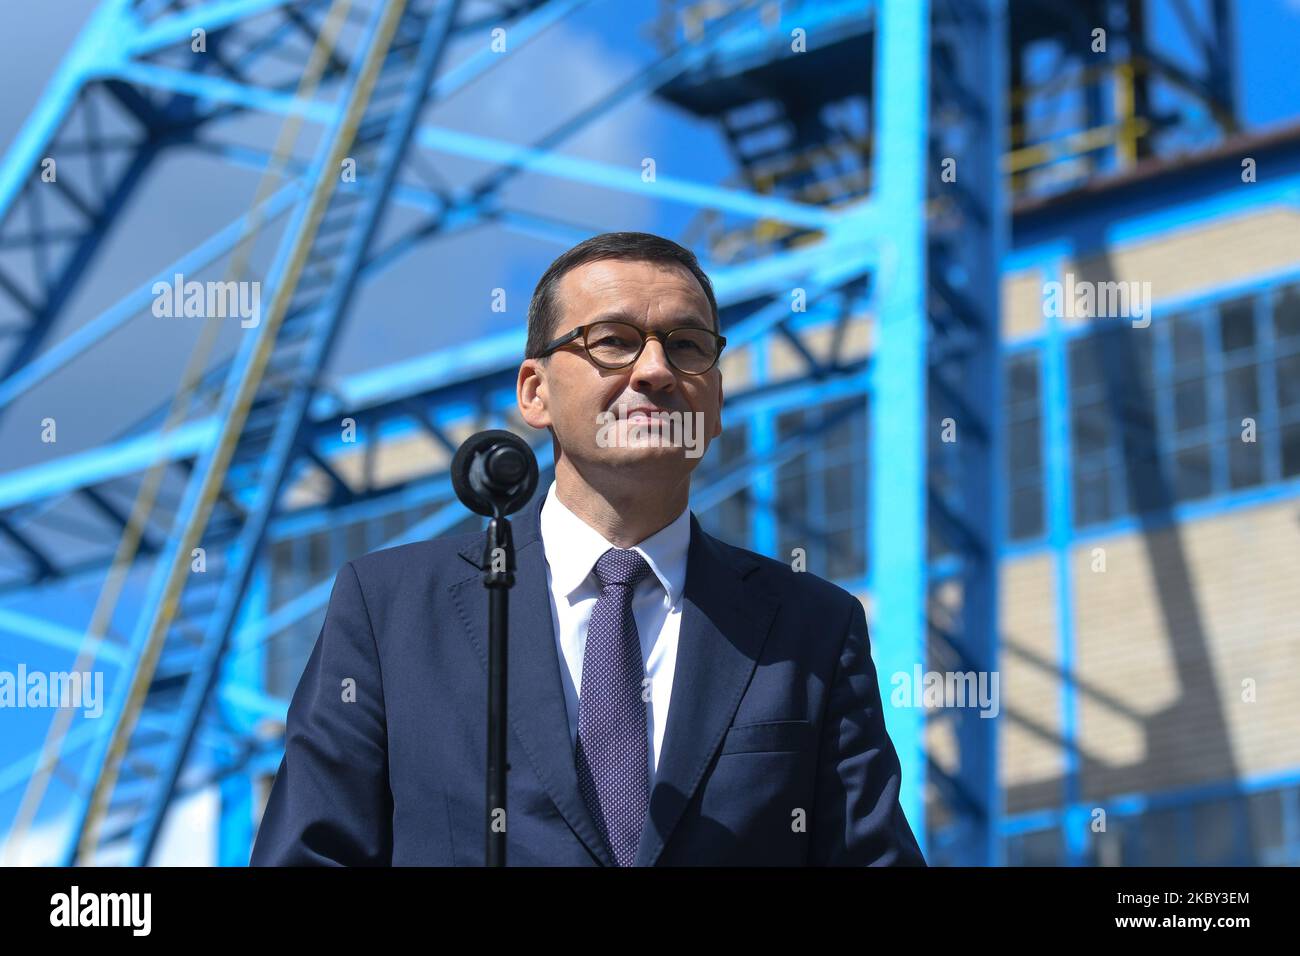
<point x="828" y="103"/>
<point x="967" y="231"/>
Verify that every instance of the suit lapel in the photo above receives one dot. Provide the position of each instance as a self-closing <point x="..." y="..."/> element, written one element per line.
<point x="535" y="697"/>
<point x="725" y="622"/>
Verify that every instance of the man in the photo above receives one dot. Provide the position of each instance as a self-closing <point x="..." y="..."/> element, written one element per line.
<point x="673" y="700"/>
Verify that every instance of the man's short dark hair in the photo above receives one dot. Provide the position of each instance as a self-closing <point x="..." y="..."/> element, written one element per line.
<point x="544" y="310"/>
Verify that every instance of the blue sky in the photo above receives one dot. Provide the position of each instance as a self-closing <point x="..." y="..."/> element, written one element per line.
<point x="1268" y="46"/>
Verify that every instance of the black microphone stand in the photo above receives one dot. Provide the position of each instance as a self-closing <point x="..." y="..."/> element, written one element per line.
<point x="499" y="578"/>
<point x="494" y="473"/>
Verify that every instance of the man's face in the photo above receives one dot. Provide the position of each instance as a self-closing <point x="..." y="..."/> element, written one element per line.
<point x="580" y="400"/>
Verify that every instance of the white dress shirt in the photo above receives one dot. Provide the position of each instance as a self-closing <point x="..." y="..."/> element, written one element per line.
<point x="572" y="547"/>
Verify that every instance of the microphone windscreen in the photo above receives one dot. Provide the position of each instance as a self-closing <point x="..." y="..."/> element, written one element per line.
<point x="463" y="461"/>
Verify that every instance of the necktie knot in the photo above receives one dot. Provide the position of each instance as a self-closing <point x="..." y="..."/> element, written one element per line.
<point x="623" y="566"/>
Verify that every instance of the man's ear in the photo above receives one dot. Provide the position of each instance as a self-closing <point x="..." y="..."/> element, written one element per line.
<point x="530" y="393"/>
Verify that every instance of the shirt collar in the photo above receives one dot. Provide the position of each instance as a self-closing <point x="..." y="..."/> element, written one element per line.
<point x="572" y="547"/>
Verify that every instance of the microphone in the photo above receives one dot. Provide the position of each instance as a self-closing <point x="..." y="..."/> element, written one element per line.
<point x="494" y="473"/>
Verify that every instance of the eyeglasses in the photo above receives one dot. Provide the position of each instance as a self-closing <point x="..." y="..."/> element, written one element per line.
<point x="615" y="345"/>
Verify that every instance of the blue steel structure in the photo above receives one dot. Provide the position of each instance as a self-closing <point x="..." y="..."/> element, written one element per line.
<point x="873" y="141"/>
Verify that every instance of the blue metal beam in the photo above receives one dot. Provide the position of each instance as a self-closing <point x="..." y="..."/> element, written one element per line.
<point x="101" y="35"/>
<point x="210" y="17"/>
<point x="84" y="469"/>
<point x="130" y="305"/>
<point x="42" y="631"/>
<point x="513" y="156"/>
<point x="897" y="506"/>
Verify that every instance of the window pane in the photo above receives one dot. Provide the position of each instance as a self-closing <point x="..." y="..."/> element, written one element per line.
<point x="1286" y="314"/>
<point x="1144" y="479"/>
<point x="844" y="431"/>
<point x="792" y="507"/>
<point x="733" y="520"/>
<point x="1084" y="369"/>
<point x="1023" y="441"/>
<point x="1138" y="341"/>
<point x="1288" y="383"/>
<point x="1189" y="405"/>
<point x="1291" y="451"/>
<point x="283" y="586"/>
<point x="1027" y="512"/>
<point x="1237" y="324"/>
<point x="1192" y="473"/>
<point x="1240" y="394"/>
<point x="845" y="552"/>
<point x="839" y="488"/>
<point x="1091" y="497"/>
<point x="1022" y="379"/>
<point x="1188" y="343"/>
<point x="357" y="538"/>
<point x="318" y="556"/>
<point x="1215" y="825"/>
<point x="1265" y="813"/>
<point x="1161" y="838"/>
<point x="729" y="519"/>
<point x="1090" y="426"/>
<point x="1245" y="462"/>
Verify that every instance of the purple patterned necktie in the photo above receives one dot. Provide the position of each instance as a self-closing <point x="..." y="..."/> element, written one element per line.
<point x="612" y="753"/>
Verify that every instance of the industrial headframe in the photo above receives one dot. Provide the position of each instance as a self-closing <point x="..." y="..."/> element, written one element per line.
<point x="878" y="147"/>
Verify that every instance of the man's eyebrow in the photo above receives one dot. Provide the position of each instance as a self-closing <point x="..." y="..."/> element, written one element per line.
<point x="691" y="320"/>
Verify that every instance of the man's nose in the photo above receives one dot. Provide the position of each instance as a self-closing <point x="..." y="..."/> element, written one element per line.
<point x="652" y="368"/>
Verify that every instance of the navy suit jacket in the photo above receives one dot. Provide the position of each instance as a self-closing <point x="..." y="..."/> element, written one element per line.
<point x="775" y="751"/>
